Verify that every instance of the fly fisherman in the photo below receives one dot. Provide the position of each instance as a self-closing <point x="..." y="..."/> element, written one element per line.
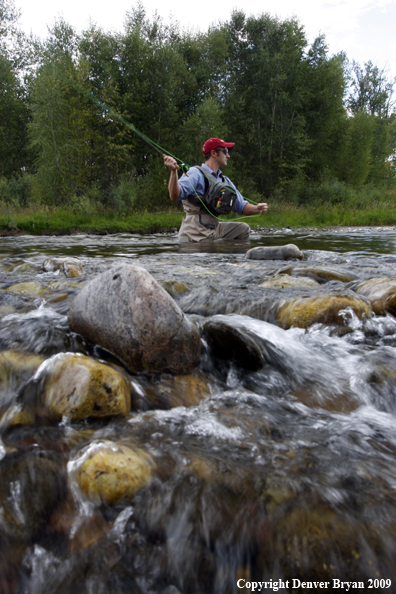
<point x="207" y="193"/>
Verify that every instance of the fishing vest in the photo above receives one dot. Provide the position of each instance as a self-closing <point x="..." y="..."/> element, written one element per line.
<point x="219" y="197"/>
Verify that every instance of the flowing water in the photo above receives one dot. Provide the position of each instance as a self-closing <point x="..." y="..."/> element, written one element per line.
<point x="282" y="474"/>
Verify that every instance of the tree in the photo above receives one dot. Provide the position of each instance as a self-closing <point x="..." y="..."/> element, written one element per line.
<point x="371" y="90"/>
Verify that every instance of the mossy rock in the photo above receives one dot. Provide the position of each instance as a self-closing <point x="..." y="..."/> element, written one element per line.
<point x="381" y="292"/>
<point x="174" y="288"/>
<point x="80" y="387"/>
<point x="29" y="288"/>
<point x="112" y="472"/>
<point x="323" y="308"/>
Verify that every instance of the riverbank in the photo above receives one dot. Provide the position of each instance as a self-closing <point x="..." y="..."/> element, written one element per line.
<point x="60" y="221"/>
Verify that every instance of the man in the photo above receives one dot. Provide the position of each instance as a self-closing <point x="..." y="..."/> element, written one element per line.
<point x="200" y="221"/>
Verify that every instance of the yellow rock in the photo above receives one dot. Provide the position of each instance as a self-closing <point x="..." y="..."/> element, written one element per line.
<point x="79" y="387"/>
<point x="286" y="281"/>
<point x="17" y="416"/>
<point x="381" y="292"/>
<point x="31" y="288"/>
<point x="113" y="472"/>
<point x="323" y="308"/>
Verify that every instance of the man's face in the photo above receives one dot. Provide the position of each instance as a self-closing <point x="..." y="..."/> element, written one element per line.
<point x="222" y="156"/>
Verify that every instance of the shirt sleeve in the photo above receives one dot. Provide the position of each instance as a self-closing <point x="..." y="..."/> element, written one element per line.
<point x="195" y="182"/>
<point x="240" y="201"/>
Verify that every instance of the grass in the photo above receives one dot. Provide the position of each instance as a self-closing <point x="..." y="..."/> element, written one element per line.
<point x="54" y="221"/>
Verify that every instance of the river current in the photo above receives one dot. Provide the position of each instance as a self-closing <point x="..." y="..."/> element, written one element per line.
<point x="280" y="475"/>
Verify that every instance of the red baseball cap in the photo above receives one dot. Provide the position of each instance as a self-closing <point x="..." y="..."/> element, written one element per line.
<point x="214" y="143"/>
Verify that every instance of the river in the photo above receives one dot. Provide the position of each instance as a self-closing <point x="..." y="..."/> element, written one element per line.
<point x="277" y="472"/>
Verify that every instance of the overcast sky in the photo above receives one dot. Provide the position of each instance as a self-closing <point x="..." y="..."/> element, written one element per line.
<point x="364" y="29"/>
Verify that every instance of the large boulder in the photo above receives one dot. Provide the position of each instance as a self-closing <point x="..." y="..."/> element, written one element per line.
<point x="128" y="313"/>
<point x="79" y="387"/>
<point x="281" y="252"/>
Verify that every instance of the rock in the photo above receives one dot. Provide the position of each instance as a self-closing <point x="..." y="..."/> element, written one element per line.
<point x="180" y="390"/>
<point x="30" y="288"/>
<point x="285" y="281"/>
<point x="110" y="472"/>
<point x="16" y="368"/>
<point x="174" y="288"/>
<point x="323" y="308"/>
<point x="231" y="344"/>
<point x="71" y="269"/>
<point x="281" y="252"/>
<point x="321" y="275"/>
<point x="128" y="313"/>
<point x="79" y="387"/>
<point x="381" y="292"/>
<point x="54" y="264"/>
<point x="30" y="488"/>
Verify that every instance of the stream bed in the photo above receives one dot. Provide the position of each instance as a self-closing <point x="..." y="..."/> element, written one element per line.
<point x="274" y="473"/>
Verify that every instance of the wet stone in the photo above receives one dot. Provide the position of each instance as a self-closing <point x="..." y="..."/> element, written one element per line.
<point x="319" y="309"/>
<point x="381" y="292"/>
<point x="128" y="313"/>
<point x="321" y="275"/>
<point x="171" y="391"/>
<point x="281" y="252"/>
<point x="79" y="387"/>
<point x="31" y="486"/>
<point x="110" y="472"/>
<point x="64" y="264"/>
<point x="284" y="281"/>
<point x="231" y="344"/>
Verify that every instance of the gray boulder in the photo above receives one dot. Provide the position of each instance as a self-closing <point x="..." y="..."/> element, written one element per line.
<point x="281" y="252"/>
<point x="128" y="313"/>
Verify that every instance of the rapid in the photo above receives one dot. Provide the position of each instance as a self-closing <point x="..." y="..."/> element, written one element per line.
<point x="280" y="470"/>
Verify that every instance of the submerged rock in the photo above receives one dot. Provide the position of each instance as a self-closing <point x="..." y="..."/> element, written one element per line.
<point x="79" y="387"/>
<point x="180" y="390"/>
<point x="281" y="252"/>
<point x="324" y="309"/>
<point x="30" y="288"/>
<point x="30" y="488"/>
<point x="110" y="472"/>
<point x="16" y="368"/>
<point x="285" y="281"/>
<point x="128" y="313"/>
<point x="231" y="344"/>
<point x="381" y="292"/>
<point x="71" y="267"/>
<point x="321" y="275"/>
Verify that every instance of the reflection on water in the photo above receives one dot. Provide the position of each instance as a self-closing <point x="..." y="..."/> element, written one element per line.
<point x="280" y="470"/>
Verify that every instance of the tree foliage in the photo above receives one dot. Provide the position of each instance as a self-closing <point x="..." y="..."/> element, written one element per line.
<point x="297" y="114"/>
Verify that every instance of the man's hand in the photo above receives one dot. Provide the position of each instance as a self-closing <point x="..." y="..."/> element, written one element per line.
<point x="170" y="163"/>
<point x="262" y="208"/>
<point x="255" y="209"/>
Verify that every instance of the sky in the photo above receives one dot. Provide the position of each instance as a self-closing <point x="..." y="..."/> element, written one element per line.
<point x="364" y="29"/>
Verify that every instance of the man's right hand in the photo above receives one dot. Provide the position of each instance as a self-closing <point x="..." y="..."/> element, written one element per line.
<point x="170" y="163"/>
